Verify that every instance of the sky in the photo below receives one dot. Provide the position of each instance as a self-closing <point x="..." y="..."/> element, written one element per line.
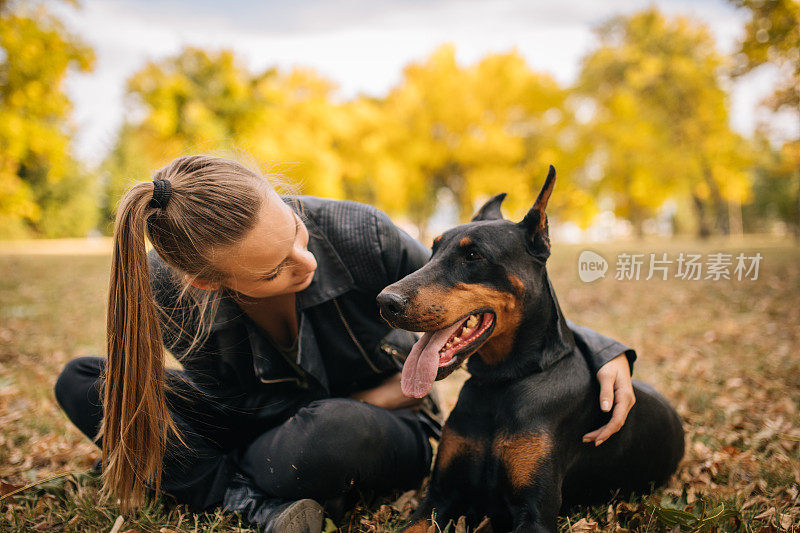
<point x="362" y="45"/>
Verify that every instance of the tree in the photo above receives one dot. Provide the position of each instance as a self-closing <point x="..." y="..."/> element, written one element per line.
<point x="477" y="130"/>
<point x="206" y="101"/>
<point x="661" y="119"/>
<point x="774" y="187"/>
<point x="35" y="161"/>
<point x="772" y="35"/>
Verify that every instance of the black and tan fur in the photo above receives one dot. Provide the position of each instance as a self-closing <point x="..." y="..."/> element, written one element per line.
<point x="511" y="448"/>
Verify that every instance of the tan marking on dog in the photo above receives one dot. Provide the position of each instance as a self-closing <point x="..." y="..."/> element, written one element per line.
<point x="466" y="241"/>
<point x="453" y="445"/>
<point x="522" y="456"/>
<point x="519" y="287"/>
<point x="437" y="239"/>
<point x="437" y="307"/>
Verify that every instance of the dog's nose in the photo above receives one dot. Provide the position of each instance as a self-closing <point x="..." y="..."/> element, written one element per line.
<point x="392" y="304"/>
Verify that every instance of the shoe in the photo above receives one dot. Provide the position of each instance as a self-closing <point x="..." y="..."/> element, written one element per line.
<point x="302" y="516"/>
<point x="271" y="515"/>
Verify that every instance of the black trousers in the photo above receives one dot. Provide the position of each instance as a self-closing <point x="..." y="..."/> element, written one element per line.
<point x="327" y="448"/>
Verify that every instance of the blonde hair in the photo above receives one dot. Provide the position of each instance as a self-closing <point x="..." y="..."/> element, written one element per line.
<point x="214" y="202"/>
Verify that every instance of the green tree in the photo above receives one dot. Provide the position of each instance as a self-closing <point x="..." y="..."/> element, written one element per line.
<point x="660" y="126"/>
<point x="42" y="189"/>
<point x="774" y="188"/>
<point x="772" y="35"/>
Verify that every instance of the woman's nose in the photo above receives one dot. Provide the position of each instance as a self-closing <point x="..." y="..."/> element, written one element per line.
<point x="305" y="259"/>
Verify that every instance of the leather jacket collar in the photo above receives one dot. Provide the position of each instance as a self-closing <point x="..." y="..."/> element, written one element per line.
<point x="331" y="279"/>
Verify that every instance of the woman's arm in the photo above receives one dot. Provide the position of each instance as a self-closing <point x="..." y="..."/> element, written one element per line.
<point x="388" y="395"/>
<point x="615" y="390"/>
<point x="612" y="363"/>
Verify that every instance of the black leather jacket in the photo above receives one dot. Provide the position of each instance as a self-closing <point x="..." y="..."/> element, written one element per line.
<point x="344" y="346"/>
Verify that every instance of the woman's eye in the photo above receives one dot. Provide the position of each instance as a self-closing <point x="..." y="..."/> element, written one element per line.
<point x="472" y="255"/>
<point x="274" y="275"/>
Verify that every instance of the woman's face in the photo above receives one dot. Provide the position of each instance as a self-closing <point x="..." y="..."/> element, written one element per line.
<point x="273" y="258"/>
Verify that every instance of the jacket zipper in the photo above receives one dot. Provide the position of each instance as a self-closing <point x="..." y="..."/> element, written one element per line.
<point x="355" y="340"/>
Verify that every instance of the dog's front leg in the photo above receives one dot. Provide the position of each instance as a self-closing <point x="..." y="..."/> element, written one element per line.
<point x="527" y="522"/>
<point x="536" y="507"/>
<point x="436" y="506"/>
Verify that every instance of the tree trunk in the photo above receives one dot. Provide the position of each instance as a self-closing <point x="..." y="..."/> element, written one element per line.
<point x="703" y="227"/>
<point x="797" y="205"/>
<point x="720" y="209"/>
<point x="636" y="215"/>
<point x="735" y="218"/>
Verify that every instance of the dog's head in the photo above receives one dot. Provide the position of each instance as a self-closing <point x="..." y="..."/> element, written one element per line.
<point x="473" y="293"/>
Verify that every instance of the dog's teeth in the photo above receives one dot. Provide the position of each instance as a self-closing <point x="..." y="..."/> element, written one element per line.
<point x="472" y="320"/>
<point x="448" y="345"/>
<point x="456" y="340"/>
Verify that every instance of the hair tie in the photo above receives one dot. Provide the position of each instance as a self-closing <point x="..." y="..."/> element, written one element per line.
<point x="162" y="190"/>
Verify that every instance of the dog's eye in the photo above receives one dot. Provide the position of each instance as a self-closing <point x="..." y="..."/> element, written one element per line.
<point x="473" y="255"/>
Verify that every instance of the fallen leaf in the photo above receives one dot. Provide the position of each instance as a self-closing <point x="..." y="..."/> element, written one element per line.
<point x="769" y="514"/>
<point x="117" y="524"/>
<point x="583" y="525"/>
<point x="485" y="526"/>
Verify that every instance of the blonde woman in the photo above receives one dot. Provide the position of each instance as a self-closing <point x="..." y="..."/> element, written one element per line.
<point x="289" y="392"/>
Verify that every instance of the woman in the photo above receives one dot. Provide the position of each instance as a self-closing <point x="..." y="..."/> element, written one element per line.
<point x="290" y="392"/>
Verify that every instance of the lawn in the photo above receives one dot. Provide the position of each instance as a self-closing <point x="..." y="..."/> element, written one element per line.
<point x="726" y="353"/>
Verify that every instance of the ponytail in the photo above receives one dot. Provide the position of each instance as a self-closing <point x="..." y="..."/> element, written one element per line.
<point x="136" y="421"/>
<point x="226" y="197"/>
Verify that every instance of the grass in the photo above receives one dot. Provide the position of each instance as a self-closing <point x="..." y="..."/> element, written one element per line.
<point x="726" y="353"/>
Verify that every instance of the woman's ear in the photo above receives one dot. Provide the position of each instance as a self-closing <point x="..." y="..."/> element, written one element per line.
<point x="201" y="283"/>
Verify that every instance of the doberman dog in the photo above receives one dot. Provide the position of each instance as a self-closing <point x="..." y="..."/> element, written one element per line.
<point x="511" y="449"/>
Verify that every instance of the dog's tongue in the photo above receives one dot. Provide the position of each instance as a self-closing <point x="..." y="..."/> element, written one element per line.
<point x="422" y="364"/>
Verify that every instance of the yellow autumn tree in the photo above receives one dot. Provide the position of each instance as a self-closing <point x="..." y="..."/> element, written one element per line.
<point x="660" y="127"/>
<point x="474" y="130"/>
<point x="203" y="101"/>
<point x="43" y="190"/>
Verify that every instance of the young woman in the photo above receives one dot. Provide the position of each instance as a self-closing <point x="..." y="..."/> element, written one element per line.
<point x="289" y="393"/>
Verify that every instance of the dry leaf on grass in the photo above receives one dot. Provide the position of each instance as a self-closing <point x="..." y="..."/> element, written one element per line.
<point x="583" y="525"/>
<point x="117" y="524"/>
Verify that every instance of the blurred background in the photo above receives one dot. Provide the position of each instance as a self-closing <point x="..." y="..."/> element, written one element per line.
<point x="667" y="117"/>
<point x="674" y="126"/>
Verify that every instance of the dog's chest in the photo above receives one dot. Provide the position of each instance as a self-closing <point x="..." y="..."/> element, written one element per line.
<point x="502" y="460"/>
<point x="481" y="449"/>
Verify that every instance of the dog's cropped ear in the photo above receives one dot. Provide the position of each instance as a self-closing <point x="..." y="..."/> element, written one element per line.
<point x="537" y="235"/>
<point x="491" y="209"/>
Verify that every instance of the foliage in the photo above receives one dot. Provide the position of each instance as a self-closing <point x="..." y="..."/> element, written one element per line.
<point x="37" y="53"/>
<point x="647" y="122"/>
<point x="660" y="123"/>
<point x="476" y="130"/>
<point x="772" y="35"/>
<point x="776" y="186"/>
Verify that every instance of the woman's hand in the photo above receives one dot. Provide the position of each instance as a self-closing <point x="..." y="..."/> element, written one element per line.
<point x="616" y="390"/>
<point x="388" y="395"/>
